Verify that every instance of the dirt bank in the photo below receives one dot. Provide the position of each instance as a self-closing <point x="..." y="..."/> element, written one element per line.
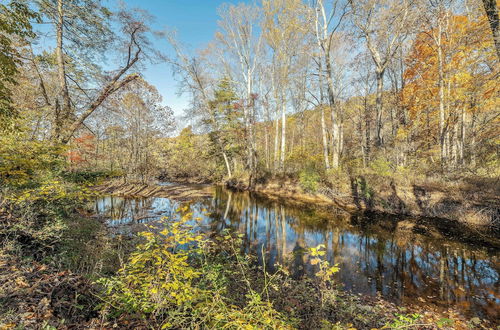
<point x="473" y="205"/>
<point x="175" y="191"/>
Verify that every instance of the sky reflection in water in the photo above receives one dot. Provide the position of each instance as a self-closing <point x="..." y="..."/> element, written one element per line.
<point x="404" y="260"/>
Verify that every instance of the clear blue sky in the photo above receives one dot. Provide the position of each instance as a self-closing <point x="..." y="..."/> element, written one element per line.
<point x="195" y="22"/>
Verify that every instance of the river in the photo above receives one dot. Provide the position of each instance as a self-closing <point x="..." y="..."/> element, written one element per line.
<point x="405" y="260"/>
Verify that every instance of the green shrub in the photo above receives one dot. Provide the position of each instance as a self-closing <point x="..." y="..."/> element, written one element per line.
<point x="171" y="281"/>
<point x="402" y="321"/>
<point x="309" y="180"/>
<point x="381" y="167"/>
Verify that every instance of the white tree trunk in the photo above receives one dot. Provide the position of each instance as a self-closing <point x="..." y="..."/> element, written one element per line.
<point x="378" y="105"/>
<point x="276" y="142"/>
<point x="325" y="139"/>
<point x="283" y="135"/>
<point x="228" y="167"/>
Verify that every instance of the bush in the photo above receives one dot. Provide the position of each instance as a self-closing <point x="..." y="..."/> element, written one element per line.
<point x="34" y="196"/>
<point x="25" y="163"/>
<point x="381" y="167"/>
<point x="300" y="159"/>
<point x="309" y="180"/>
<point x="171" y="281"/>
<point x="91" y="177"/>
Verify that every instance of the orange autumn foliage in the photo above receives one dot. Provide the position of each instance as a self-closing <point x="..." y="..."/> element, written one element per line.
<point x="470" y="73"/>
<point x="83" y="149"/>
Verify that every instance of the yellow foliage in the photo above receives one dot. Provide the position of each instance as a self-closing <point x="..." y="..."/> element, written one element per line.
<point x="165" y="280"/>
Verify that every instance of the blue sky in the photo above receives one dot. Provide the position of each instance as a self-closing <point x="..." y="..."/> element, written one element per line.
<point x="195" y="22"/>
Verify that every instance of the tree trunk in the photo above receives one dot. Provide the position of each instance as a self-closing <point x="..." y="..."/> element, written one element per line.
<point x="276" y="141"/>
<point x="462" y="137"/>
<point x="378" y="105"/>
<point x="367" y="133"/>
<point x="325" y="139"/>
<point x="334" y="117"/>
<point x="283" y="135"/>
<point x="454" y="144"/>
<point x="266" y="144"/>
<point x="228" y="167"/>
<point x="473" y="141"/>
<point x="63" y="104"/>
<point x="490" y="6"/>
<point x="335" y="140"/>
<point x="341" y="138"/>
<point x="441" y="84"/>
<point x="250" y="123"/>
<point x="251" y="130"/>
<point x="323" y="123"/>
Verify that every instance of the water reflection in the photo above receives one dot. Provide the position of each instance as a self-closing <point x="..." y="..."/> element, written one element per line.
<point x="132" y="211"/>
<point x="404" y="260"/>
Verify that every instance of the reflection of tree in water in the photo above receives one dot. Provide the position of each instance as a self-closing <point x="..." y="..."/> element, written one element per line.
<point x="402" y="258"/>
<point x="133" y="210"/>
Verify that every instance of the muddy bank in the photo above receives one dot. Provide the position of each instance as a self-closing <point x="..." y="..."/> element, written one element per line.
<point x="175" y="191"/>
<point x="470" y="206"/>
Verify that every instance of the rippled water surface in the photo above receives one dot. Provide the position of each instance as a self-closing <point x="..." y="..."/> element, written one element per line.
<point x="405" y="260"/>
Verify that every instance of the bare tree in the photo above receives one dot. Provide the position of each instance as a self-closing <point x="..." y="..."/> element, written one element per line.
<point x="195" y="80"/>
<point x="240" y="36"/>
<point x="326" y="25"/>
<point x="284" y="31"/>
<point x="82" y="34"/>
<point x="384" y="24"/>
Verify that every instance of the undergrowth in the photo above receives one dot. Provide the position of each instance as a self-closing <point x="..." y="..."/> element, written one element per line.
<point x="179" y="278"/>
<point x="172" y="280"/>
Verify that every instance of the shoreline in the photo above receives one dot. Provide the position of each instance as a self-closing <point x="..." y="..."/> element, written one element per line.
<point x="175" y="191"/>
<point x="477" y="211"/>
<point x="290" y="192"/>
<point x="298" y="199"/>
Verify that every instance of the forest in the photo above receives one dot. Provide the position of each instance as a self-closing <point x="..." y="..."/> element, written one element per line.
<point x="384" y="114"/>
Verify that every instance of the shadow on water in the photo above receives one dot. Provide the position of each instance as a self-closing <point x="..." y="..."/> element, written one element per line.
<point x="405" y="260"/>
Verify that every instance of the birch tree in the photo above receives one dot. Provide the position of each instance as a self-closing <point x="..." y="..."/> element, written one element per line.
<point x="240" y="36"/>
<point x="326" y="25"/>
<point x="284" y="31"/>
<point x="384" y="25"/>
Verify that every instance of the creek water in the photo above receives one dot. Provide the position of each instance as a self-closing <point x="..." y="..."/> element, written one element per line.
<point x="405" y="260"/>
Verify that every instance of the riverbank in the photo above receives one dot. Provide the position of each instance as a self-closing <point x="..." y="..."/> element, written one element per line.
<point x="95" y="254"/>
<point x="474" y="204"/>
<point x="470" y="207"/>
<point x="355" y="241"/>
<point x="176" y="191"/>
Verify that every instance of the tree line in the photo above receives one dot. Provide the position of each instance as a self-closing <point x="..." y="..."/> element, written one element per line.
<point x="290" y="84"/>
<point x="284" y="86"/>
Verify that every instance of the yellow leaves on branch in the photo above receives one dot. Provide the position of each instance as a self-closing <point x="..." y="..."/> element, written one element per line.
<point x="168" y="279"/>
<point x="326" y="271"/>
<point x="467" y="52"/>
